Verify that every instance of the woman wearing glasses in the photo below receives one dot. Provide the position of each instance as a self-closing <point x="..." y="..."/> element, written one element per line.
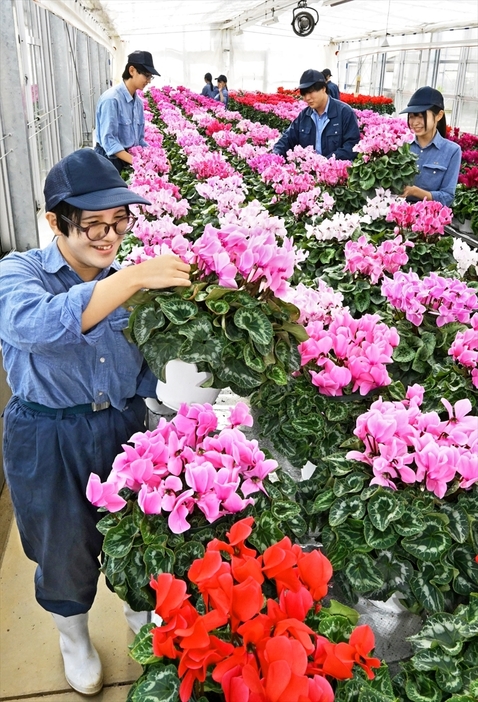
<point x="120" y="112"/>
<point x="77" y="385"/>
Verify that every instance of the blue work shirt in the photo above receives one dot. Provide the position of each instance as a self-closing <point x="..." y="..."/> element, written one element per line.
<point x="333" y="90"/>
<point x="46" y="356"/>
<point x="209" y="91"/>
<point x="119" y="120"/>
<point x="321" y="122"/>
<point x="438" y="168"/>
<point x="225" y="94"/>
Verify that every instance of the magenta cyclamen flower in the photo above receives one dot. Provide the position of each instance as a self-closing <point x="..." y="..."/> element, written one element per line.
<point x="427" y="217"/>
<point x="363" y="257"/>
<point x="349" y="352"/>
<point x="449" y="299"/>
<point x="402" y="444"/>
<point x="186" y="465"/>
<point x="464" y="349"/>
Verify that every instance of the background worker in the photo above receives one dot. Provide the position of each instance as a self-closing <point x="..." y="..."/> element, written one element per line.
<point x="330" y="126"/>
<point x="209" y="90"/>
<point x="120" y="112"/>
<point x="222" y="93"/>
<point x="439" y="158"/>
<point x="332" y="88"/>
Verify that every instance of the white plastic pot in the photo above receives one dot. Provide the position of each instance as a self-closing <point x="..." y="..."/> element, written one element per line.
<point x="183" y="381"/>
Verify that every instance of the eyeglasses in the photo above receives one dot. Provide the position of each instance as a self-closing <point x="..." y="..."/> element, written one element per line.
<point x="148" y="76"/>
<point x="99" y="230"/>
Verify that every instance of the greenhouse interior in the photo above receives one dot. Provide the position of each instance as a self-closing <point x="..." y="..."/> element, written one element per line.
<point x="262" y="216"/>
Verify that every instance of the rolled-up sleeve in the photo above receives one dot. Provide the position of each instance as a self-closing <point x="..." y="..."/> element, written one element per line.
<point x="108" y="121"/>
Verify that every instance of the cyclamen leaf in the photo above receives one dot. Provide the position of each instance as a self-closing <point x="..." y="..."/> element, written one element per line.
<point x="430" y="545"/>
<point x="179" y="311"/>
<point x="362" y="573"/>
<point x="147" y="318"/>
<point x="160" y="684"/>
<point x="255" y="323"/>
<point x="119" y="539"/>
<point x="422" y="689"/>
<point x="342" y="508"/>
<point x="383" y="508"/>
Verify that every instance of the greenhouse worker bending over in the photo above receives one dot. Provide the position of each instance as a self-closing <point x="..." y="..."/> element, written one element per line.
<point x="439" y="158"/>
<point x="77" y="383"/>
<point x="330" y="126"/>
<point x="120" y="112"/>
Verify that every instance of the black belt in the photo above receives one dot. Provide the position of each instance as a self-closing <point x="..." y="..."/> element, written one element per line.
<point x="77" y="409"/>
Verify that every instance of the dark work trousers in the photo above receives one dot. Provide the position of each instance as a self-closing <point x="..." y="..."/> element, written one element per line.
<point x="47" y="461"/>
<point x="118" y="163"/>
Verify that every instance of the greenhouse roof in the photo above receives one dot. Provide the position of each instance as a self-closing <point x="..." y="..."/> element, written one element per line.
<point x="339" y="20"/>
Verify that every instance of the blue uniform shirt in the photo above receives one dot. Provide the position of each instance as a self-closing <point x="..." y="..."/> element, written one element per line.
<point x="209" y="91"/>
<point x="119" y="120"/>
<point x="46" y="356"/>
<point x="321" y="121"/>
<point x="438" y="168"/>
<point x="225" y="95"/>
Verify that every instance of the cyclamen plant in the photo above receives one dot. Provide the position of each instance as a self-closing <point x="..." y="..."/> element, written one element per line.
<point x="402" y="444"/>
<point x="363" y="257"/>
<point x="449" y="299"/>
<point x="427" y="217"/>
<point x="185" y="465"/>
<point x="352" y="354"/>
<point x="250" y="634"/>
<point x="464" y="349"/>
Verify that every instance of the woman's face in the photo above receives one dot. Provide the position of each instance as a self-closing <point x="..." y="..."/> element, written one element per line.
<point x="416" y="122"/>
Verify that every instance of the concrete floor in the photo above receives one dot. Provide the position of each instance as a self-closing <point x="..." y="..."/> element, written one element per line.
<point x="30" y="661"/>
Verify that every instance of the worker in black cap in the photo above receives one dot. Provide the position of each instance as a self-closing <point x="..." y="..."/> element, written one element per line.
<point x="222" y="93"/>
<point x="439" y="158"/>
<point x="330" y="126"/>
<point x="332" y="88"/>
<point x="120" y="113"/>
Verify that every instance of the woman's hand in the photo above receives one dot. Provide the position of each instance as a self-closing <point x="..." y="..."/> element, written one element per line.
<point x="419" y="193"/>
<point x="161" y="272"/>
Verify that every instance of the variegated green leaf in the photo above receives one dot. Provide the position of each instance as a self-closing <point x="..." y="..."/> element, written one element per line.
<point x="284" y="510"/>
<point x="141" y="649"/>
<point x="161" y="683"/>
<point x="136" y="573"/>
<point x="197" y="329"/>
<point x="429" y="596"/>
<point x="297" y="525"/>
<point x="277" y="375"/>
<point x="463" y="558"/>
<point x="422" y="689"/>
<point x="379" y="539"/>
<point x="241" y="299"/>
<point x="449" y="681"/>
<point x="236" y="372"/>
<point x="185" y="555"/>
<point x="297" y="331"/>
<point x="252" y="360"/>
<point x="178" y="311"/>
<point x="119" y="539"/>
<point x="255" y="322"/>
<point x="161" y="349"/>
<point x="344" y="507"/>
<point x="435" y="659"/>
<point x="218" y="306"/>
<point x="362" y="573"/>
<point x="147" y="318"/>
<point x="322" y="502"/>
<point x="430" y="545"/>
<point x="208" y="351"/>
<point x="384" y="507"/>
<point x="336" y="628"/>
<point x="353" y="482"/>
<point x="338" y="464"/>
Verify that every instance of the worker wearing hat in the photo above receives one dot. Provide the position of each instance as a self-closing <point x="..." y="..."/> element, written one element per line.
<point x="332" y="88"/>
<point x="120" y="112"/>
<point x="330" y="126"/>
<point x="222" y="93"/>
<point x="77" y="386"/>
<point x="439" y="158"/>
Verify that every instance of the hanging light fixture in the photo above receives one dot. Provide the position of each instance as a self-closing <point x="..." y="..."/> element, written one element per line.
<point x="303" y="21"/>
<point x="271" y="20"/>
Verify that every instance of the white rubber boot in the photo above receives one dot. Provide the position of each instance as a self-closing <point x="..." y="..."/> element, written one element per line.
<point x="82" y="663"/>
<point x="138" y="619"/>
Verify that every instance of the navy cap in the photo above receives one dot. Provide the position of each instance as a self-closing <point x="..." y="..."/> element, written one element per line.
<point x="424" y="99"/>
<point x="88" y="181"/>
<point x="143" y="58"/>
<point x="310" y="77"/>
<point x="222" y="78"/>
<point x="326" y="72"/>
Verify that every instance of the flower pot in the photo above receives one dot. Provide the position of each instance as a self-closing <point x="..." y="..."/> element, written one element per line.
<point x="463" y="227"/>
<point x="392" y="623"/>
<point x="183" y="381"/>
